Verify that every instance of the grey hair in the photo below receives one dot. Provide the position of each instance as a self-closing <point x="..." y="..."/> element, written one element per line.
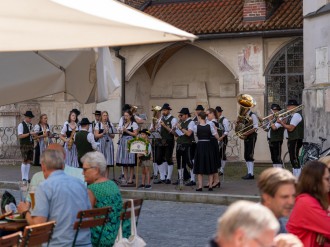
<point x="95" y="159"/>
<point x="252" y="218"/>
<point x="52" y="159"/>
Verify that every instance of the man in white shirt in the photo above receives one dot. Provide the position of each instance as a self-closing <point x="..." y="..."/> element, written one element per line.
<point x="165" y="149"/>
<point x="294" y="126"/>
<point x="84" y="140"/>
<point x="25" y="133"/>
<point x="223" y="131"/>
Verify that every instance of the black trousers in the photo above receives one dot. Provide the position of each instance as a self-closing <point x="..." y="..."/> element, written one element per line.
<point x="294" y="147"/>
<point x="183" y="158"/>
<point x="164" y="152"/>
<point x="223" y="146"/>
<point x="276" y="151"/>
<point x="249" y="145"/>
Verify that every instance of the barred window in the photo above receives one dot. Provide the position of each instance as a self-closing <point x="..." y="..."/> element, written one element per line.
<point x="284" y="75"/>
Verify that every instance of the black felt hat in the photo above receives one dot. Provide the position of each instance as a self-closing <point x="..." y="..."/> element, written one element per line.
<point x="126" y="107"/>
<point x="199" y="108"/>
<point x="166" y="106"/>
<point x="76" y="111"/>
<point x="292" y="102"/>
<point x="275" y="107"/>
<point x="85" y="121"/>
<point x="145" y="131"/>
<point x="184" y="111"/>
<point x="97" y="113"/>
<point x="29" y="114"/>
<point x="218" y="109"/>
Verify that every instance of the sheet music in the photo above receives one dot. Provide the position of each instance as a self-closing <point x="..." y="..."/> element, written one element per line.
<point x="179" y="132"/>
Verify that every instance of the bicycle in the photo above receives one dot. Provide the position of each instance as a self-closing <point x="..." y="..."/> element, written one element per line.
<point x="309" y="151"/>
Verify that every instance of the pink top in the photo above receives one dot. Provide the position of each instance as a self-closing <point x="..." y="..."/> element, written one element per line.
<point x="308" y="219"/>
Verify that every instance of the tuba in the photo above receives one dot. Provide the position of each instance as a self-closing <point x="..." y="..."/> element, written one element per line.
<point x="133" y="109"/>
<point x="155" y="109"/>
<point x="246" y="102"/>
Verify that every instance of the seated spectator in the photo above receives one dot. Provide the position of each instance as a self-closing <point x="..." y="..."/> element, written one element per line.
<point x="250" y="224"/>
<point x="310" y="216"/>
<point x="277" y="192"/>
<point x="103" y="193"/>
<point x="60" y="197"/>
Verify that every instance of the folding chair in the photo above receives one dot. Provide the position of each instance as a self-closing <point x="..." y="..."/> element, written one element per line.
<point x="37" y="234"/>
<point x="91" y="218"/>
<point x="126" y="212"/>
<point x="11" y="240"/>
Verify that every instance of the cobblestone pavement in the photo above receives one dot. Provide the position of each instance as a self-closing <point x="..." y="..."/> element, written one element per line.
<point x="167" y="224"/>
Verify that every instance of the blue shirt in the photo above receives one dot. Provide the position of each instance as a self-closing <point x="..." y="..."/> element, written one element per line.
<point x="59" y="198"/>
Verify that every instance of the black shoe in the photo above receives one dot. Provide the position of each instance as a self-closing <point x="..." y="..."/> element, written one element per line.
<point x="167" y="181"/>
<point x="160" y="182"/>
<point x="216" y="185"/>
<point x="191" y="183"/>
<point x="200" y="189"/>
<point x="141" y="186"/>
<point x="210" y="189"/>
<point x="220" y="173"/>
<point x="248" y="176"/>
<point x="205" y="186"/>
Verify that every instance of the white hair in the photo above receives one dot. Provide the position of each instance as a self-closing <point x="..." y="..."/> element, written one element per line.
<point x="95" y="159"/>
<point x="52" y="159"/>
<point x="252" y="218"/>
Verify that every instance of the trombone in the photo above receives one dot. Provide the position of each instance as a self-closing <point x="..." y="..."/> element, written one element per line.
<point x="272" y="118"/>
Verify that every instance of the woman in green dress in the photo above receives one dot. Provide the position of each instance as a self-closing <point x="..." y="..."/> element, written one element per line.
<point x="103" y="193"/>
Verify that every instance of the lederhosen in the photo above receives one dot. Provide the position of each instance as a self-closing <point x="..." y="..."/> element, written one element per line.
<point x="26" y="144"/>
<point x="295" y="139"/>
<point x="275" y="144"/>
<point x="223" y="144"/>
<point x="215" y="144"/>
<point x="183" y="153"/>
<point x="249" y="144"/>
<point x="165" y="148"/>
<point x="38" y="150"/>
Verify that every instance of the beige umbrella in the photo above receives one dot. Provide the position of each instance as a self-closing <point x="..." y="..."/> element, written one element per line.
<point x="27" y="25"/>
<point x="39" y="25"/>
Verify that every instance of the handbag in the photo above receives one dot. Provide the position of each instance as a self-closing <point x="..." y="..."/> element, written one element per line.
<point x="134" y="240"/>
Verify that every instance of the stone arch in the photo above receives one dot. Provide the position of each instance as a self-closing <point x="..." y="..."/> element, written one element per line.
<point x="162" y="47"/>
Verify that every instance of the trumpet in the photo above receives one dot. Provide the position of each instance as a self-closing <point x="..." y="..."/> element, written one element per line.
<point x="272" y="118"/>
<point x="155" y="109"/>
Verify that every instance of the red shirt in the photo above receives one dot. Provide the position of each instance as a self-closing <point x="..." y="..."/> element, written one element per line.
<point x="308" y="219"/>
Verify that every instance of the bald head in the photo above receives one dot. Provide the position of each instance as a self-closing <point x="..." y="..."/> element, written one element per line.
<point x="57" y="147"/>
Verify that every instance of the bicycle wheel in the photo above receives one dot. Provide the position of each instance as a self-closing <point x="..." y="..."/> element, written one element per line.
<point x="311" y="152"/>
<point x="286" y="161"/>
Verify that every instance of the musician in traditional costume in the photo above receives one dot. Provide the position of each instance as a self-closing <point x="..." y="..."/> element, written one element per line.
<point x="165" y="148"/>
<point x="275" y="132"/>
<point x="198" y="109"/>
<point x="206" y="158"/>
<point x="294" y="126"/>
<point x="84" y="140"/>
<point x="212" y="120"/>
<point x="129" y="130"/>
<point x="97" y="116"/>
<point x="104" y="133"/>
<point x="249" y="145"/>
<point x="42" y="137"/>
<point x="25" y="135"/>
<point x="70" y="127"/>
<point x="185" y="137"/>
<point x="155" y="127"/>
<point x="223" y="131"/>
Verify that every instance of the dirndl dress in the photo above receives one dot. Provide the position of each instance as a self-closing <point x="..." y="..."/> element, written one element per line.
<point x="71" y="155"/>
<point x="124" y="157"/>
<point x="106" y="145"/>
<point x="206" y="162"/>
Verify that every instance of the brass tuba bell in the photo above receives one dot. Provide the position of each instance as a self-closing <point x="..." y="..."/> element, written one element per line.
<point x="133" y="109"/>
<point x="246" y="102"/>
<point x="155" y="110"/>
